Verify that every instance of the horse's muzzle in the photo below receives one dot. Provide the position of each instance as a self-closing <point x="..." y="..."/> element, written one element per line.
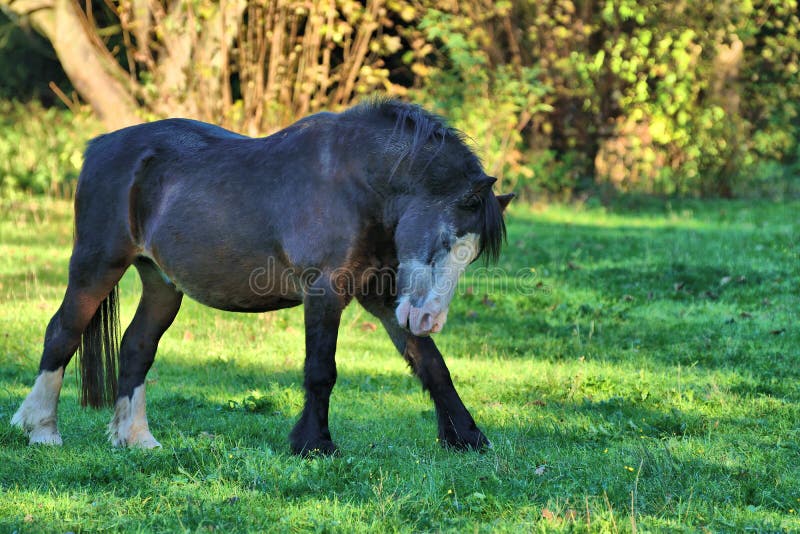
<point x="423" y="320"/>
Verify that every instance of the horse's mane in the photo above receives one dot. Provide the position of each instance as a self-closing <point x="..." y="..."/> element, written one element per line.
<point x="424" y="128"/>
<point x="421" y="126"/>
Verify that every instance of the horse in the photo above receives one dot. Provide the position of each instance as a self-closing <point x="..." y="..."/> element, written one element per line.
<point x="383" y="203"/>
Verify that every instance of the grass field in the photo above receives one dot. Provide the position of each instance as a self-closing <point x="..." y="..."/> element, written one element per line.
<point x="636" y="370"/>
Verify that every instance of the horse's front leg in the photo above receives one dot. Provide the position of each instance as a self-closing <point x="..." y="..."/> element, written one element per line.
<point x="457" y="428"/>
<point x="323" y="310"/>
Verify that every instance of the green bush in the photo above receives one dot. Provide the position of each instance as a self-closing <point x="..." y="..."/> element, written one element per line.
<point x="493" y="104"/>
<point x="41" y="149"/>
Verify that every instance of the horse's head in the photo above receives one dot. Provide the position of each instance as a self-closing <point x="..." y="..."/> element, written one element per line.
<point x="438" y="236"/>
<point x="441" y="205"/>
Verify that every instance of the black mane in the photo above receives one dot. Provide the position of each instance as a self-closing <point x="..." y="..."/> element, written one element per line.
<point x="493" y="230"/>
<point x="421" y="126"/>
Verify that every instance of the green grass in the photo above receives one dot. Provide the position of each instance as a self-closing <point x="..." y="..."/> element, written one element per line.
<point x="647" y="378"/>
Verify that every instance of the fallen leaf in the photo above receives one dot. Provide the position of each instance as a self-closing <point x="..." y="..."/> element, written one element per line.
<point x="571" y="515"/>
<point x="187" y="335"/>
<point x="367" y="326"/>
<point x="540" y="470"/>
<point x="28" y="518"/>
<point x="724" y="280"/>
<point x="547" y="514"/>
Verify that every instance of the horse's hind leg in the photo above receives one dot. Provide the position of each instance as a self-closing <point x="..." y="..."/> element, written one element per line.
<point x="157" y="309"/>
<point x="90" y="283"/>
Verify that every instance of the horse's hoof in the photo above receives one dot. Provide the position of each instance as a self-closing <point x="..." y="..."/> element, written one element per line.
<point x="473" y="440"/>
<point x="141" y="439"/>
<point x="144" y="442"/>
<point x="45" y="436"/>
<point x="38" y="433"/>
<point x="321" y="447"/>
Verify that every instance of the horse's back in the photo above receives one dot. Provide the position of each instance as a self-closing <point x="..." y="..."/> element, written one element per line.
<point x="163" y="135"/>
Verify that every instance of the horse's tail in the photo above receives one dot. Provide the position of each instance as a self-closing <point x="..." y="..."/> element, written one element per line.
<point x="99" y="353"/>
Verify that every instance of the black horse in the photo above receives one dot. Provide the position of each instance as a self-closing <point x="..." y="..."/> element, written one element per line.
<point x="383" y="202"/>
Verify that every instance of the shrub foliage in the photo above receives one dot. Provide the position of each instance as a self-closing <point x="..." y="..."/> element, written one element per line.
<point x="560" y="96"/>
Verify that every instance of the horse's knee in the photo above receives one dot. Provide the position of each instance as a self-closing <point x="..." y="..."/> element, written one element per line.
<point x="320" y="381"/>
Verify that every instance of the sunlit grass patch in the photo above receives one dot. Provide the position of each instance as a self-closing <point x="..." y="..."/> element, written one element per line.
<point x="630" y="368"/>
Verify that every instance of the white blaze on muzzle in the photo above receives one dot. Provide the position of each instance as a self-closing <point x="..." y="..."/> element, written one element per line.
<point x="424" y="303"/>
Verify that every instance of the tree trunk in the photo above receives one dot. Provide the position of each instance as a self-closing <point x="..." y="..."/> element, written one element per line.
<point x="93" y="72"/>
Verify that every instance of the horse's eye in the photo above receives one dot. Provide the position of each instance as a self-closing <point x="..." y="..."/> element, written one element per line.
<point x="471" y="202"/>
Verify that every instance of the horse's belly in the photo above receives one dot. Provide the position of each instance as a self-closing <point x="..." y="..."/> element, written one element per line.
<point x="233" y="284"/>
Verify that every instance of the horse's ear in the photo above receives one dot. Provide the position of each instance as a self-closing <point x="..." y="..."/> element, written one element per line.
<point x="504" y="200"/>
<point x="482" y="183"/>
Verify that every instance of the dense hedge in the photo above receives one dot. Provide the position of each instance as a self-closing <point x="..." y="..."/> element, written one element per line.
<point x="560" y="97"/>
<point x="41" y="149"/>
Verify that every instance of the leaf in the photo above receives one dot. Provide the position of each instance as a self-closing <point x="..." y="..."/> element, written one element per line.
<point x="539" y="471"/>
<point x="547" y="514"/>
